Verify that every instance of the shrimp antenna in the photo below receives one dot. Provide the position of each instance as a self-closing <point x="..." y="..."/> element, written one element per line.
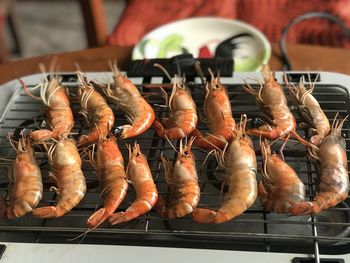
<point x="53" y="64"/>
<point x="112" y="64"/>
<point x="26" y="91"/>
<point x="217" y="149"/>
<point x="313" y="84"/>
<point x="83" y="235"/>
<point x="76" y="64"/>
<point x="9" y="137"/>
<point x="341" y="123"/>
<point x="80" y="76"/>
<point x="43" y="70"/>
<point x="198" y="69"/>
<point x="334" y="120"/>
<point x="211" y="73"/>
<point x="216" y="137"/>
<point x="206" y="158"/>
<point x="178" y="67"/>
<point x="157" y="65"/>
<point x="181" y="147"/>
<point x="191" y="141"/>
<point x="167" y="138"/>
<point x="285" y="79"/>
<point x="264" y="153"/>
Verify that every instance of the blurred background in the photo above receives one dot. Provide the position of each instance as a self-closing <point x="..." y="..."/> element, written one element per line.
<point x="32" y="27"/>
<point x="41" y="27"/>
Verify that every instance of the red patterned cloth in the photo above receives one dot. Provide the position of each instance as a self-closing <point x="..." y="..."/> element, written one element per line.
<point x="270" y="16"/>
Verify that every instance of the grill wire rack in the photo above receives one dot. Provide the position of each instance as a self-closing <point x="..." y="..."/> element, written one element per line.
<point x="254" y="230"/>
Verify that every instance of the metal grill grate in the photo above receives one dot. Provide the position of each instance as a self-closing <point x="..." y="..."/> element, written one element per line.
<point x="254" y="230"/>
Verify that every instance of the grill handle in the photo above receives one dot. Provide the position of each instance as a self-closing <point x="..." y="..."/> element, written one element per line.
<point x="322" y="260"/>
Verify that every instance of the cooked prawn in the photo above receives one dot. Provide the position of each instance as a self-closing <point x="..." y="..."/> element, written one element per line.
<point x="95" y="111"/>
<point x="183" y="118"/>
<point x="27" y="187"/>
<point x="126" y="97"/>
<point x="71" y="186"/>
<point x="217" y="109"/>
<point x="271" y="99"/>
<point x="183" y="182"/>
<point x="331" y="164"/>
<point x="311" y="111"/>
<point x="58" y="110"/>
<point x="280" y="187"/>
<point x="140" y="176"/>
<point x="239" y="161"/>
<point x="109" y="166"/>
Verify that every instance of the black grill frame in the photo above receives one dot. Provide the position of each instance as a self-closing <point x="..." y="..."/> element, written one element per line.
<point x="152" y="230"/>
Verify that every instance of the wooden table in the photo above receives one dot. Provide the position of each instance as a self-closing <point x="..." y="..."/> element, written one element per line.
<point x="303" y="57"/>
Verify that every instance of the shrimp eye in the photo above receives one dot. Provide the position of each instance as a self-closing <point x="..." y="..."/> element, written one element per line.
<point x="108" y="136"/>
<point x="24" y="148"/>
<point x="138" y="154"/>
<point x="186" y="153"/>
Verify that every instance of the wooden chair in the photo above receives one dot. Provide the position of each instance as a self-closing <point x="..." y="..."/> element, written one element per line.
<point x="95" y="22"/>
<point x="8" y="13"/>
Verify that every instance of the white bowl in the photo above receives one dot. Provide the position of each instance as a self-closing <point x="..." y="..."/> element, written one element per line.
<point x="195" y="35"/>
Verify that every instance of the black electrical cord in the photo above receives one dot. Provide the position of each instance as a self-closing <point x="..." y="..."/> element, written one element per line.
<point x="307" y="16"/>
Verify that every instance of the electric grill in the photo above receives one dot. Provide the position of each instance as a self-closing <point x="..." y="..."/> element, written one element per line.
<point x="255" y="230"/>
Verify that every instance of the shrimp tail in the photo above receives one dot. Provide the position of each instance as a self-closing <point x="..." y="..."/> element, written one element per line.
<point x="121" y="217"/>
<point x="49" y="211"/>
<point x="139" y="207"/>
<point x="160" y="207"/>
<point x="208" y="216"/>
<point x="302" y="208"/>
<point x="42" y="135"/>
<point x="98" y="218"/>
<point x="204" y="216"/>
<point x="176" y="211"/>
<point x="208" y="142"/>
<point x="180" y="210"/>
<point x="265" y="131"/>
<point x="123" y="131"/>
<point x="175" y="133"/>
<point x="87" y="139"/>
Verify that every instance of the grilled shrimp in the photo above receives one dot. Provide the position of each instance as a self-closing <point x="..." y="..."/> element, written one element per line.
<point x="331" y="165"/>
<point x="183" y="115"/>
<point x="140" y="176"/>
<point x="27" y="188"/>
<point x="95" y="110"/>
<point x="109" y="166"/>
<point x="280" y="187"/>
<point x="239" y="162"/>
<point x="311" y="111"/>
<point x="217" y="108"/>
<point x="126" y="97"/>
<point x="183" y="182"/>
<point x="58" y="110"/>
<point x="271" y="99"/>
<point x="71" y="186"/>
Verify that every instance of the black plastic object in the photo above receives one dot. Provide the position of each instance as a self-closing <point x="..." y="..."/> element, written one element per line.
<point x="2" y="250"/>
<point x="322" y="260"/>
<point x="310" y="77"/>
<point x="145" y="68"/>
<point x="307" y="16"/>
